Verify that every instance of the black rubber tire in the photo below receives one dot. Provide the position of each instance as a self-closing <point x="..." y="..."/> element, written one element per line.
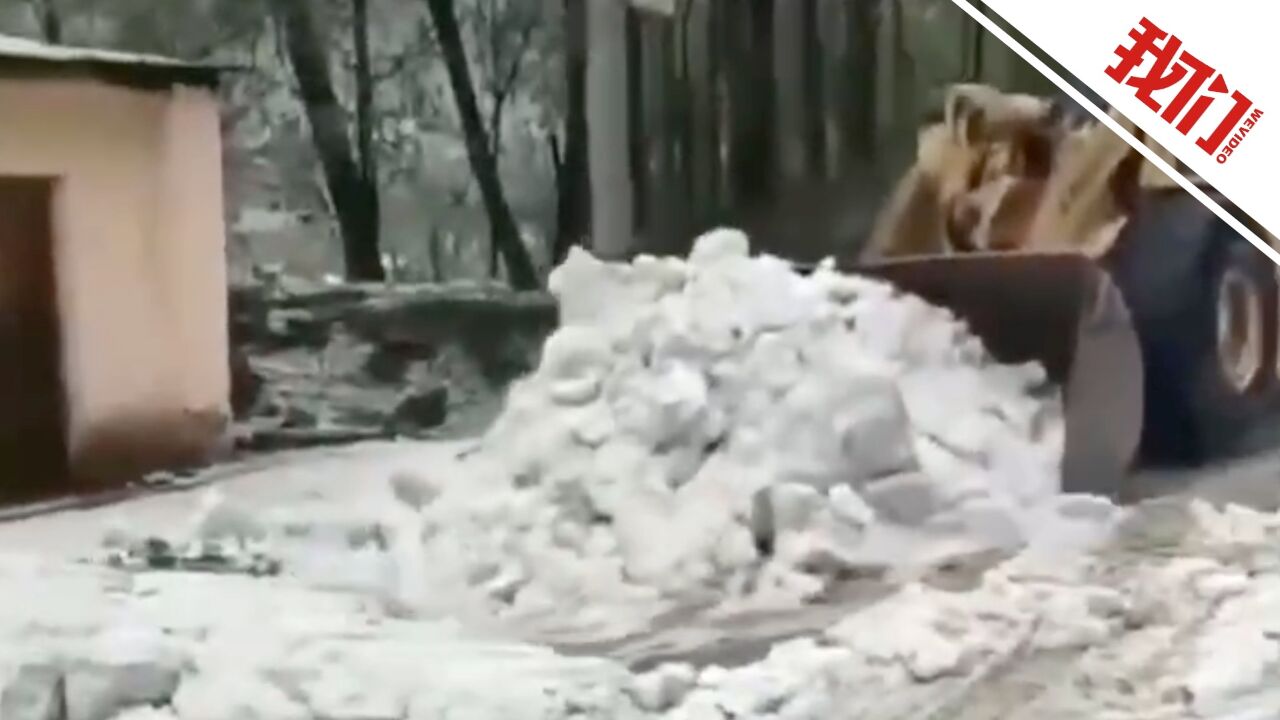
<point x="1168" y="265"/>
<point x="1226" y="419"/>
<point x="1193" y="414"/>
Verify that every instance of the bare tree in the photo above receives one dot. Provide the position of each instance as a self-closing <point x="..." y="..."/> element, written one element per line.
<point x="751" y="106"/>
<point x="703" y="73"/>
<point x="348" y="190"/>
<point x="798" y="94"/>
<point x="569" y="158"/>
<point x="49" y="18"/>
<point x="504" y="31"/>
<point x="811" y="63"/>
<point x="666" y="129"/>
<point x="504" y="233"/>
<point x="655" y="175"/>
<point x="788" y="95"/>
<point x="859" y="126"/>
<point x="609" y="111"/>
<point x="895" y="85"/>
<point x="365" y="139"/>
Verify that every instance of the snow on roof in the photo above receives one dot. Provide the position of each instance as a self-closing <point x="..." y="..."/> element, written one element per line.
<point x="34" y="51"/>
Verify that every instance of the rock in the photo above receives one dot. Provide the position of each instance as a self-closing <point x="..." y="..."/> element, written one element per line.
<point x="421" y="409"/>
<point x="332" y="361"/>
<point x="293" y="415"/>
<point x="298" y="328"/>
<point x="345" y="356"/>
<point x="274" y="440"/>
<point x="359" y="415"/>
<point x="907" y="498"/>
<point x="389" y="362"/>
<point x="35" y="693"/>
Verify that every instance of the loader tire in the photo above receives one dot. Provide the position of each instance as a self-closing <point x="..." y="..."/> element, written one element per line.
<point x="1233" y="385"/>
<point x="1173" y="264"/>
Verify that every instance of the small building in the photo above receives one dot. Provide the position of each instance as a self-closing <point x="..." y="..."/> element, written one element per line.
<point x="113" y="316"/>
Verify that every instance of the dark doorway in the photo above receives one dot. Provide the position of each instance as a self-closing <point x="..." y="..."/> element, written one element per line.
<point x="33" y="450"/>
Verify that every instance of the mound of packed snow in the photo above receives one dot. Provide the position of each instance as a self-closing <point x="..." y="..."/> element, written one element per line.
<point x="716" y="431"/>
<point x="726" y="426"/>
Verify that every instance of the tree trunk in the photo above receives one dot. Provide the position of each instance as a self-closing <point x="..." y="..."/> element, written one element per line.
<point x="975" y="50"/>
<point x="356" y="218"/>
<point x="896" y="88"/>
<point x="655" y="176"/>
<point x="751" y="89"/>
<point x="572" y="180"/>
<point x="505" y="235"/>
<point x="637" y="148"/>
<point x="50" y="21"/>
<point x="860" y="68"/>
<point x="365" y="114"/>
<point x="724" y="28"/>
<point x="435" y="254"/>
<point x="608" y="115"/>
<point x="681" y="129"/>
<point x="831" y="26"/>
<point x="789" y="93"/>
<point x="814" y="92"/>
<point x="704" y="143"/>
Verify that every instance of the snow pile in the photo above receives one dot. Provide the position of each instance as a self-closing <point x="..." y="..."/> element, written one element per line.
<point x="1186" y="627"/>
<point x="719" y="432"/>
<point x="727" y="426"/>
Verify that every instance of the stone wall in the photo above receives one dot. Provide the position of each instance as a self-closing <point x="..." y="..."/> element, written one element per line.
<point x="324" y="364"/>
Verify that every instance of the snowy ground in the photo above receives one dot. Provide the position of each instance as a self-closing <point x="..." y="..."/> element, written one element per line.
<point x="1174" y="618"/>
<point x="726" y="492"/>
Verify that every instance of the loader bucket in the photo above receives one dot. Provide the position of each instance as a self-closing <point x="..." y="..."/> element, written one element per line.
<point x="1064" y="311"/>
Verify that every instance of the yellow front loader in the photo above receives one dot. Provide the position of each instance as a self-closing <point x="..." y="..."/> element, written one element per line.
<point x="1058" y="242"/>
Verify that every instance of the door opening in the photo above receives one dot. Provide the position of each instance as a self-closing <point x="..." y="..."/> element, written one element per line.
<point x="33" y="447"/>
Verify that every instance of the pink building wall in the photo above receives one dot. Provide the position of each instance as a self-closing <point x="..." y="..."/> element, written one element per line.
<point x="140" y="265"/>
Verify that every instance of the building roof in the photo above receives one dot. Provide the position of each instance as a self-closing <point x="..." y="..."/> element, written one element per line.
<point x="31" y="57"/>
